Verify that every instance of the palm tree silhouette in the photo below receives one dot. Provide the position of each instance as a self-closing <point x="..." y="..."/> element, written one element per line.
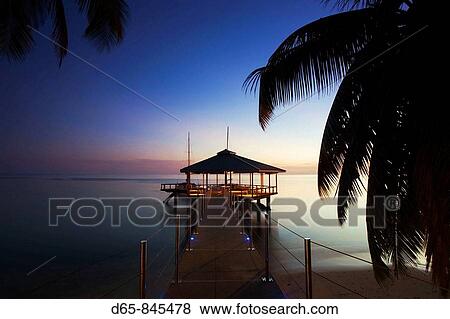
<point x="19" y="18"/>
<point x="382" y="124"/>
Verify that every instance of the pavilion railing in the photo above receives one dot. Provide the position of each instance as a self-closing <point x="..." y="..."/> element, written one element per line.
<point x="246" y="190"/>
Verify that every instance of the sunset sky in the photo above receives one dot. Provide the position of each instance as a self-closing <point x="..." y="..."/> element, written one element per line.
<point x="190" y="57"/>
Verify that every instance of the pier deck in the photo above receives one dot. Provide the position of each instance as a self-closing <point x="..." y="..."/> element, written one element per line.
<point x="222" y="263"/>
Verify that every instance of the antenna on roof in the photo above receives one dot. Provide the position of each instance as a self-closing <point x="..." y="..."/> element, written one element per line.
<point x="228" y="135"/>
<point x="189" y="148"/>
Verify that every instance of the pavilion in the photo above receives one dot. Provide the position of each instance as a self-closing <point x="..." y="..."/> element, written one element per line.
<point x="227" y="174"/>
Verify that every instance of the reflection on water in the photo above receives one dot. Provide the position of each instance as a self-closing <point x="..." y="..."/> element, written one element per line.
<point x="93" y="261"/>
<point x="89" y="261"/>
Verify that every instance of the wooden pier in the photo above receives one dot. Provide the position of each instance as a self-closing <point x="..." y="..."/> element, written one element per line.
<point x="222" y="261"/>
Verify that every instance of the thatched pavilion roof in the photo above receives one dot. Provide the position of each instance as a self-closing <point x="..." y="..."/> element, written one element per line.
<point x="228" y="161"/>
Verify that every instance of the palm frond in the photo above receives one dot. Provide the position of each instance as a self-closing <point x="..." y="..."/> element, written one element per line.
<point x="428" y="134"/>
<point x="349" y="130"/>
<point x="311" y="60"/>
<point x="401" y="239"/>
<point x="356" y="163"/>
<point x="337" y="135"/>
<point x="37" y="11"/>
<point x="352" y="4"/>
<point x="432" y="188"/>
<point x="250" y="84"/>
<point x="15" y="35"/>
<point x="369" y="132"/>
<point x="432" y="181"/>
<point x="349" y="136"/>
<point x="432" y="160"/>
<point x="106" y="21"/>
<point x="376" y="236"/>
<point x="59" y="34"/>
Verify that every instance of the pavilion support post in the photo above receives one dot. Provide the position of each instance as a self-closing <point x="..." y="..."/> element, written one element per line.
<point x="251" y="183"/>
<point x="231" y="202"/>
<point x="268" y="212"/>
<point x="175" y="203"/>
<point x="245" y="218"/>
<point x="249" y="227"/>
<point x="189" y="226"/>
<point x="258" y="211"/>
<point x="268" y="203"/>
<point x="237" y="209"/>
<point x="241" y="215"/>
<point x="206" y="189"/>
<point x="276" y="183"/>
<point x="202" y="206"/>
<point x="196" y="216"/>
<point x="231" y="189"/>
<point x="205" y="205"/>
<point x="188" y="183"/>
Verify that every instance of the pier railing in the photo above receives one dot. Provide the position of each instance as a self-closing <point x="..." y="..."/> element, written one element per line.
<point x="243" y="190"/>
<point x="305" y="254"/>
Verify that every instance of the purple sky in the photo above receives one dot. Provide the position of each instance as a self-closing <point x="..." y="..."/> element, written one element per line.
<point x="191" y="58"/>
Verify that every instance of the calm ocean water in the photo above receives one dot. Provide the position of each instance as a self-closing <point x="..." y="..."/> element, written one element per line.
<point x="102" y="261"/>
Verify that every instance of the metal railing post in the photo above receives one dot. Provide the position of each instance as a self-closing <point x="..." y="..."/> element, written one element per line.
<point x="308" y="268"/>
<point x="177" y="251"/>
<point x="267" y="239"/>
<point x="143" y="248"/>
<point x="266" y="249"/>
